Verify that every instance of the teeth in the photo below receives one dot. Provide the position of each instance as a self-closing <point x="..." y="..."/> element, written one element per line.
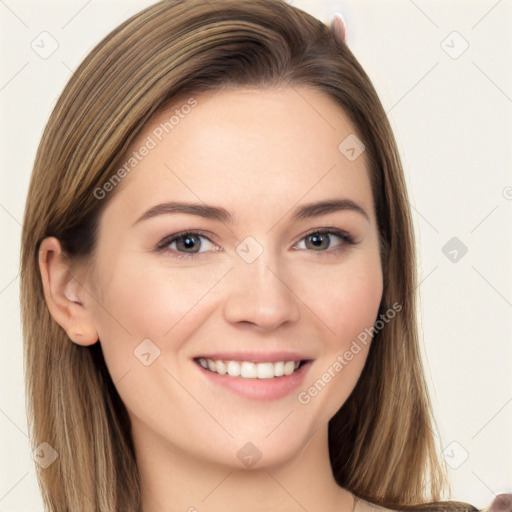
<point x="233" y="369"/>
<point x="265" y="371"/>
<point x="279" y="369"/>
<point x="220" y="367"/>
<point x="289" y="366"/>
<point x="249" y="370"/>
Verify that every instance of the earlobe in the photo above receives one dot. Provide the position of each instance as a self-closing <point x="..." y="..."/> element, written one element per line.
<point x="64" y="295"/>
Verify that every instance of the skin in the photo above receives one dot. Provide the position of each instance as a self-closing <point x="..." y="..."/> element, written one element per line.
<point x="259" y="154"/>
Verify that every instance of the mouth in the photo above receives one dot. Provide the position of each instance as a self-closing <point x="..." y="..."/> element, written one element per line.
<point x="251" y="369"/>
<point x="266" y="376"/>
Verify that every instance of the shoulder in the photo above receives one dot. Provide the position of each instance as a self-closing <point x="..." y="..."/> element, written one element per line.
<point x="365" y="506"/>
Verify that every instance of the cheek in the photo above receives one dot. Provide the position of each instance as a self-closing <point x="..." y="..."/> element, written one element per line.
<point x="345" y="298"/>
<point x="140" y="302"/>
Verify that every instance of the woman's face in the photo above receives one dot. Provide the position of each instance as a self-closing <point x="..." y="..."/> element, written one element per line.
<point x="256" y="287"/>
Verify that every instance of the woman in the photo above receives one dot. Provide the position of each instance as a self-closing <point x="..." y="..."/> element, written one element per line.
<point x="218" y="276"/>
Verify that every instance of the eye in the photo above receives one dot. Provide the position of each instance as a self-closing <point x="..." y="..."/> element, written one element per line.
<point x="188" y="243"/>
<point x="321" y="239"/>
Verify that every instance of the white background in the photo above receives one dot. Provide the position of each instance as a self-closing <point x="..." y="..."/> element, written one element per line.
<point x="452" y="121"/>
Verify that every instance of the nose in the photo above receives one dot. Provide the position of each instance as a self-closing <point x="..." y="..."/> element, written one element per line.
<point x="261" y="294"/>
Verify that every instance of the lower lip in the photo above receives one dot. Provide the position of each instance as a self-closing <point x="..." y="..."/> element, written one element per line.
<point x="259" y="389"/>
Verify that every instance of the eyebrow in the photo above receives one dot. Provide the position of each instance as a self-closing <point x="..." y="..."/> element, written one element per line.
<point x="306" y="211"/>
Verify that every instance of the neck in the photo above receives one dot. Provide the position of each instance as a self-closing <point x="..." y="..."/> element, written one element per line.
<point x="172" y="481"/>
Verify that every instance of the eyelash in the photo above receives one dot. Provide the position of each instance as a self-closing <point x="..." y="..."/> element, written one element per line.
<point x="164" y="244"/>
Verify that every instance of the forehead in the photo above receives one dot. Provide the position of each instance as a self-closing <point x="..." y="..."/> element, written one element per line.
<point x="241" y="146"/>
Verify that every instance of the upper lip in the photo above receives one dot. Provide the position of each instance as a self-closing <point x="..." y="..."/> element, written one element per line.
<point x="255" y="357"/>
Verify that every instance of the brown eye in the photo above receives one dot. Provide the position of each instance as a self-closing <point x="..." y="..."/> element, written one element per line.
<point x="318" y="241"/>
<point x="187" y="244"/>
<point x="321" y="240"/>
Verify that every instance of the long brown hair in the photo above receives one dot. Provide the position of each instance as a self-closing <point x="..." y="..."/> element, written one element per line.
<point x="381" y="442"/>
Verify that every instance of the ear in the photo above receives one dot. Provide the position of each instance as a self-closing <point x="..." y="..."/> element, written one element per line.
<point x="64" y="294"/>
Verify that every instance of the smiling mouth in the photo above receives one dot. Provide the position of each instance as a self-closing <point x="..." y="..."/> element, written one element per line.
<point x="250" y="370"/>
